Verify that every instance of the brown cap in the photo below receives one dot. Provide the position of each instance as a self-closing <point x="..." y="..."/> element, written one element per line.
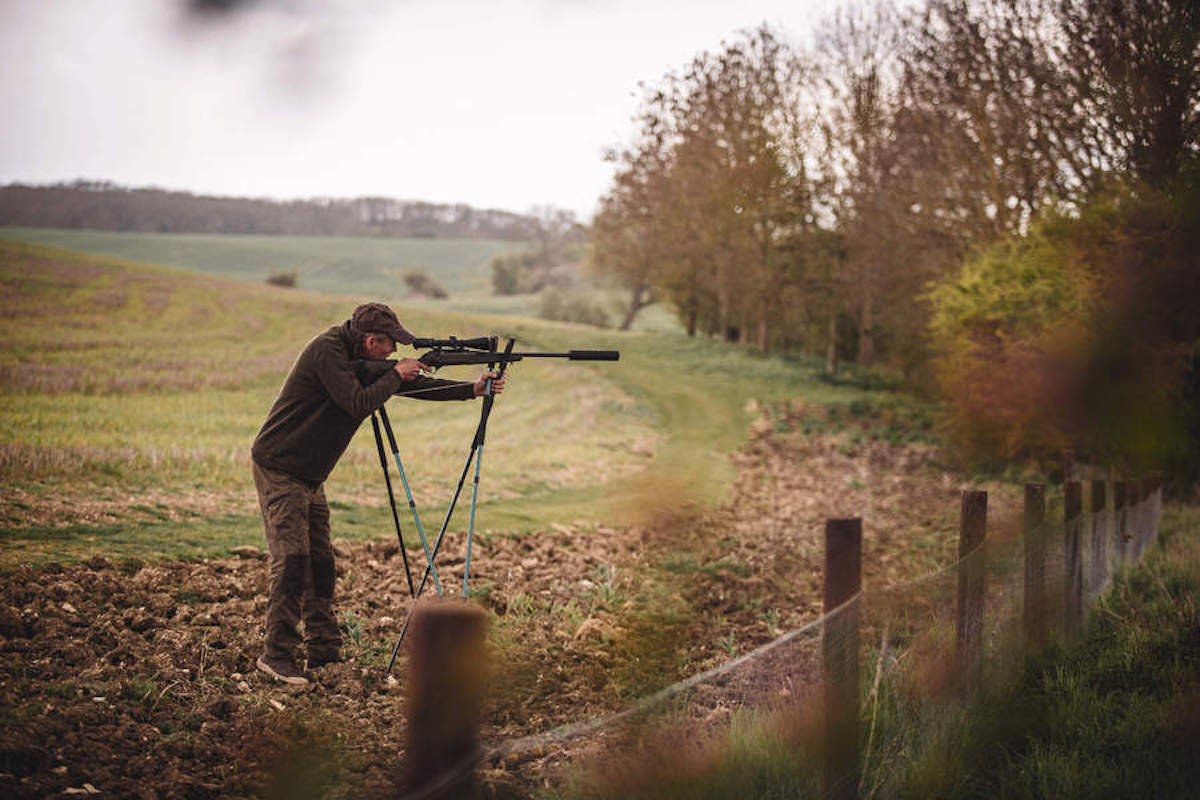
<point x="378" y="318"/>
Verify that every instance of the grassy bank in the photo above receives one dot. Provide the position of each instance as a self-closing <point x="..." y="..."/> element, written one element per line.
<point x="1114" y="714"/>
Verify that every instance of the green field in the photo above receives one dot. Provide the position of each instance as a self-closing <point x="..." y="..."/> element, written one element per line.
<point x="335" y="264"/>
<point x="363" y="267"/>
<point x="130" y="394"/>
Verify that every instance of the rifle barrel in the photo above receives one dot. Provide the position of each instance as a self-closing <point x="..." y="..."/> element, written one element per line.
<point x="580" y="355"/>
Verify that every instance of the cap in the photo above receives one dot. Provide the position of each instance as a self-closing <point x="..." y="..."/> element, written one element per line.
<point x="378" y="318"/>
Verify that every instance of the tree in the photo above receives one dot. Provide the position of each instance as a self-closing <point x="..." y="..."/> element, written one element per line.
<point x="1134" y="67"/>
<point x="704" y="204"/>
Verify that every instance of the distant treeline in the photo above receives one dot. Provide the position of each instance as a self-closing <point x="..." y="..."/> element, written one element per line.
<point x="106" y="206"/>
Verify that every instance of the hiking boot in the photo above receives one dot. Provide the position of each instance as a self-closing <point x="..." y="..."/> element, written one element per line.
<point x="318" y="660"/>
<point x="282" y="671"/>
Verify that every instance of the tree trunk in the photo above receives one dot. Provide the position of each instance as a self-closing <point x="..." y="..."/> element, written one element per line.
<point x="831" y="350"/>
<point x="636" y="304"/>
<point x="866" y="324"/>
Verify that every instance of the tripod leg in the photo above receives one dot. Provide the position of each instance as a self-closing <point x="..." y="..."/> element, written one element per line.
<point x="471" y="523"/>
<point x="412" y="506"/>
<point x="396" y="646"/>
<point x="392" y="502"/>
<point x="437" y="545"/>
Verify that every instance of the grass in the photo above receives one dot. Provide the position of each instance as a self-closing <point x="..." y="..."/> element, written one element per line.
<point x="124" y="386"/>
<point x="374" y="266"/>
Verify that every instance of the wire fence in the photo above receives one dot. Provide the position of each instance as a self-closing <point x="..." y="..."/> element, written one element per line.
<point x="942" y="631"/>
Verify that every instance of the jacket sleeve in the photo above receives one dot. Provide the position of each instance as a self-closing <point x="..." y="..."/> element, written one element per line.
<point x="425" y="388"/>
<point x="336" y="375"/>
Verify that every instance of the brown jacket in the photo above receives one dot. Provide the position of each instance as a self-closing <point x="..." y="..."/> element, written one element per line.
<point x="322" y="404"/>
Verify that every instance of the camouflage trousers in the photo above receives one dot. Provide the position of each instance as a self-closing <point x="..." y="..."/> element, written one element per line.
<point x="301" y="570"/>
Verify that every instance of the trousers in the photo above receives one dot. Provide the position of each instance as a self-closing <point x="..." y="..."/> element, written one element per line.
<point x="300" y="566"/>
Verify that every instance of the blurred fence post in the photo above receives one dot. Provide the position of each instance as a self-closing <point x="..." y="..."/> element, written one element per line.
<point x="1072" y="561"/>
<point x="1099" y="569"/>
<point x="839" y="642"/>
<point x="1121" y="521"/>
<point x="1035" y="563"/>
<point x="1146" y="515"/>
<point x="971" y="575"/>
<point x="1156" y="504"/>
<point x="444" y="695"/>
<point x="1137" y="521"/>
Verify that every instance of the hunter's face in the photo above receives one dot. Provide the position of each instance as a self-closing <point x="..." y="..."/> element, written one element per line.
<point x="378" y="345"/>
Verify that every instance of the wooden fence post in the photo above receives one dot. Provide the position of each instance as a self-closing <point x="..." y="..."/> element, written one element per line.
<point x="1147" y="516"/>
<point x="839" y="641"/>
<point x="1035" y="563"/>
<point x="1136" y="514"/>
<point x="1156" y="504"/>
<point x="1098" y="544"/>
<point x="444" y="695"/>
<point x="1121" y="522"/>
<point x="971" y="576"/>
<point x="1072" y="560"/>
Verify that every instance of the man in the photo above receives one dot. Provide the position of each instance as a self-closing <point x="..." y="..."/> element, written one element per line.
<point x="308" y="428"/>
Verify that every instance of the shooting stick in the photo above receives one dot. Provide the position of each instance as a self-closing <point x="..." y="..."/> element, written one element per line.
<point x="448" y="352"/>
<point x="476" y="454"/>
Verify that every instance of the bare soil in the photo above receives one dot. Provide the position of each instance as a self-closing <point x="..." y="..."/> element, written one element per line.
<point x="136" y="679"/>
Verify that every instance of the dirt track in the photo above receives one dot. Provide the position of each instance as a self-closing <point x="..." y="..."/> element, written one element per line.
<point x="137" y="680"/>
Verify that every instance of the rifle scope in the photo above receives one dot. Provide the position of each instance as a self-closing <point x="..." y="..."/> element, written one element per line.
<point x="454" y="343"/>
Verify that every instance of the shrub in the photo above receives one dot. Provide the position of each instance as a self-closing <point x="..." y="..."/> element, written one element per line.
<point x="420" y="283"/>
<point x="572" y="307"/>
<point x="285" y="279"/>
<point x="1083" y="335"/>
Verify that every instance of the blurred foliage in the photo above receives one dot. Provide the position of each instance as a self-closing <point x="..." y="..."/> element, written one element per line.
<point x="1084" y="335"/>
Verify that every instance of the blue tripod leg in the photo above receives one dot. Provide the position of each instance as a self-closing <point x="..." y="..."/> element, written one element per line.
<point x="471" y="522"/>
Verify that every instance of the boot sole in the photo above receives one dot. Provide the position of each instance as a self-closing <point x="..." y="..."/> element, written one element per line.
<point x="291" y="680"/>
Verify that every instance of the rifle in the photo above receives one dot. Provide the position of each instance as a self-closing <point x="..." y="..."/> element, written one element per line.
<point x="453" y="351"/>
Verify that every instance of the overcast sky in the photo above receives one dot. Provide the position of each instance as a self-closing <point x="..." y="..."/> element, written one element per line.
<point x="495" y="103"/>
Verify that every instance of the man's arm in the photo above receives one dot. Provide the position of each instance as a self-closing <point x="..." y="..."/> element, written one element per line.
<point x="340" y="382"/>
<point x="414" y="384"/>
<point x="423" y="387"/>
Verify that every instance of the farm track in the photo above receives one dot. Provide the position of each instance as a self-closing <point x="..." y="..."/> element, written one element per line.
<point x="137" y="679"/>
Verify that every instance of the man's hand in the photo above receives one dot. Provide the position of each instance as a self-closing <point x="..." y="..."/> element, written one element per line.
<point x="481" y="383"/>
<point x="409" y="368"/>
